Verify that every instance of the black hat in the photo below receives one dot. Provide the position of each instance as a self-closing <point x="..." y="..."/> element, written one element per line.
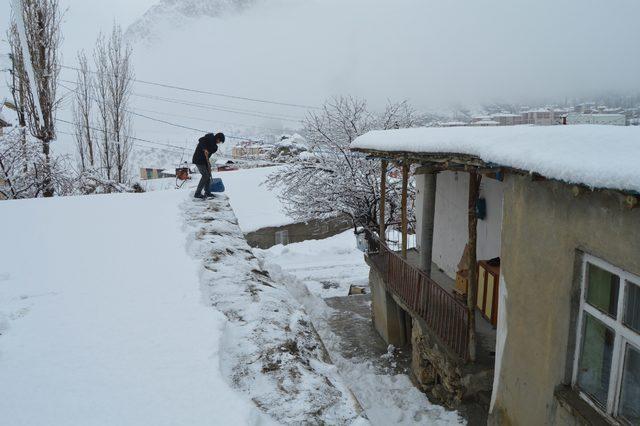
<point x="220" y="137"/>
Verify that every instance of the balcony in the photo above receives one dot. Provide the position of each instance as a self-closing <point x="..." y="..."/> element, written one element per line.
<point x="432" y="300"/>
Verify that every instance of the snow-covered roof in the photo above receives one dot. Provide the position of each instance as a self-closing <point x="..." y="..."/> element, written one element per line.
<point x="505" y="114"/>
<point x="594" y="155"/>
<point x="453" y="123"/>
<point x="485" y="123"/>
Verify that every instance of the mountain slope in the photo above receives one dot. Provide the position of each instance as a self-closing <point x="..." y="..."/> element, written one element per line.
<point x="178" y="12"/>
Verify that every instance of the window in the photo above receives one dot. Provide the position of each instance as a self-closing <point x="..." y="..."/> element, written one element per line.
<point x="607" y="363"/>
<point x="282" y="237"/>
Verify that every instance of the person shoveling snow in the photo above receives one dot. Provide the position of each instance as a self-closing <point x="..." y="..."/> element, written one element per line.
<point x="207" y="145"/>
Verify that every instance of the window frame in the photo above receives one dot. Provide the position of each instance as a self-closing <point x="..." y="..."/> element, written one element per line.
<point x="282" y="237"/>
<point x="623" y="335"/>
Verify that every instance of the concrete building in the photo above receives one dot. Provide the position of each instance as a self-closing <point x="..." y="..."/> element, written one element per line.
<point x="614" y="119"/>
<point x="565" y="293"/>
<point x="544" y="116"/>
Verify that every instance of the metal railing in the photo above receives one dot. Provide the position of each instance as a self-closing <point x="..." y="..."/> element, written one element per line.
<point x="393" y="236"/>
<point x="445" y="315"/>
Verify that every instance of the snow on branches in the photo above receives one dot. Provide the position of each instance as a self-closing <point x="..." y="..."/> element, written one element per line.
<point x="24" y="170"/>
<point x="333" y="180"/>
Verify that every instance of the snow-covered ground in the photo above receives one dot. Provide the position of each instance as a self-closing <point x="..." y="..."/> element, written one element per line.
<point x="326" y="267"/>
<point x="151" y="309"/>
<point x="318" y="269"/>
<point x="255" y="205"/>
<point x="102" y="319"/>
<point x="387" y="397"/>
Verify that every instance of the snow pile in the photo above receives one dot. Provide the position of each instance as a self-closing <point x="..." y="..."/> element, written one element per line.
<point x="269" y="349"/>
<point x="326" y="267"/>
<point x="102" y="319"/>
<point x="596" y="156"/>
<point x="256" y="206"/>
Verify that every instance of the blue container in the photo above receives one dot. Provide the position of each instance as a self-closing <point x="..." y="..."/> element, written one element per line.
<point x="216" y="185"/>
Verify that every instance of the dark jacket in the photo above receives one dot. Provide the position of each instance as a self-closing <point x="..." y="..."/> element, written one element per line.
<point x="207" y="142"/>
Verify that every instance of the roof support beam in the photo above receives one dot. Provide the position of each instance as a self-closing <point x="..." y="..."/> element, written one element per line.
<point x="383" y="198"/>
<point x="405" y="187"/>
<point x="474" y="191"/>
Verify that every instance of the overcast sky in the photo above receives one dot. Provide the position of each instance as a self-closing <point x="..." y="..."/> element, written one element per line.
<point x="437" y="54"/>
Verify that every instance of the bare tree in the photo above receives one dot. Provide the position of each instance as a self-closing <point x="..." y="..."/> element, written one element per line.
<point x="334" y="180"/>
<point x="101" y="92"/>
<point x="114" y="75"/>
<point x="37" y="25"/>
<point x="19" y="86"/>
<point x="83" y="114"/>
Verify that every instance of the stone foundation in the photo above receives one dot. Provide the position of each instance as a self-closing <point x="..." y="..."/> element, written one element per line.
<point x="442" y="374"/>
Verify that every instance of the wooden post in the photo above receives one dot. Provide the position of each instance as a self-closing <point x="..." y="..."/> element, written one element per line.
<point x="472" y="291"/>
<point x="383" y="198"/>
<point x="405" y="185"/>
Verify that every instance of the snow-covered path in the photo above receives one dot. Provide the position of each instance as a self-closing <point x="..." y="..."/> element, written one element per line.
<point x="102" y="319"/>
<point x="387" y="396"/>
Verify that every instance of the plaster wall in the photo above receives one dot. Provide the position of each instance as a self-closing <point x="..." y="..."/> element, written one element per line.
<point x="450" y="233"/>
<point x="545" y="230"/>
<point x="388" y="316"/>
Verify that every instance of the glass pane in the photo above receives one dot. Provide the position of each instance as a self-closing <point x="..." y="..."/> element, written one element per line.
<point x="594" y="367"/>
<point x="602" y="290"/>
<point x="632" y="307"/>
<point x="630" y="396"/>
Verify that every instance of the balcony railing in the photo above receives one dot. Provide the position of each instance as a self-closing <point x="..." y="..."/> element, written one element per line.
<point x="445" y="315"/>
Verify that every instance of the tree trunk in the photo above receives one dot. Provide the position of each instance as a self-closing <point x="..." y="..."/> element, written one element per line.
<point x="47" y="182"/>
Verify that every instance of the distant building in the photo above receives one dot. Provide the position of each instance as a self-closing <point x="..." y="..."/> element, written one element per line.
<point x="485" y="123"/>
<point x="544" y="117"/>
<point x="226" y="165"/>
<point x="611" y="119"/>
<point x="248" y="149"/>
<point x="452" y="124"/>
<point x="150" y="173"/>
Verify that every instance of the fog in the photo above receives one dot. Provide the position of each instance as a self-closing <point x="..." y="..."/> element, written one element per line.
<point x="437" y="54"/>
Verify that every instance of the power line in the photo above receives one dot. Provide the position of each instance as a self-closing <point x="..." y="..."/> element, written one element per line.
<point x="206" y="92"/>
<point x="180" y="148"/>
<point x="251" y="113"/>
<point x="172" y="150"/>
<point x="254" y="113"/>
<point x="170" y="123"/>
<point x="190" y="117"/>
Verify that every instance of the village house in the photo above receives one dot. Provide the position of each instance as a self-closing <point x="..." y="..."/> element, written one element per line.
<point x="249" y="150"/>
<point x="525" y="282"/>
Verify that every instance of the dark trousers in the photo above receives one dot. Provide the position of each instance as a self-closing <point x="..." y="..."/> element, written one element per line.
<point x="205" y="180"/>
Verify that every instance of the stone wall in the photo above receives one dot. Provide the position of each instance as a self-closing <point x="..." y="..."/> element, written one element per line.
<point x="316" y="229"/>
<point x="441" y="373"/>
<point x="545" y="229"/>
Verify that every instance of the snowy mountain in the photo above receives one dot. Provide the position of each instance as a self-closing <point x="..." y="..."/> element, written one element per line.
<point x="178" y="12"/>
